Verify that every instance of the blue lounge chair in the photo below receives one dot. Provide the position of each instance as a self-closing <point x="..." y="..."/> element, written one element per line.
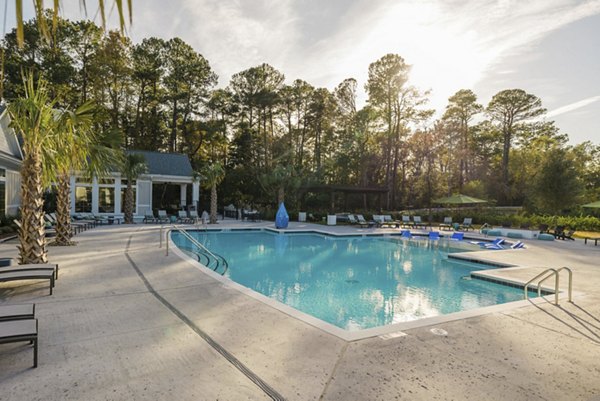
<point x="517" y="245"/>
<point x="434" y="235"/>
<point x="495" y="244"/>
<point x="457" y="236"/>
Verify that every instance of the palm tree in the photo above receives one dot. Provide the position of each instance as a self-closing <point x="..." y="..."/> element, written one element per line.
<point x="39" y="11"/>
<point x="83" y="149"/>
<point x="33" y="119"/>
<point x="69" y="157"/>
<point x="213" y="174"/>
<point x="133" y="167"/>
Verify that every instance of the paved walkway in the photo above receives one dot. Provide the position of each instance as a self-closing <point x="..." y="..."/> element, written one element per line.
<point x="127" y="322"/>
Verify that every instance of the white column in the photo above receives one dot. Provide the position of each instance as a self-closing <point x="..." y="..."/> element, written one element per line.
<point x="95" y="195"/>
<point x="182" y="194"/>
<point x="72" y="194"/>
<point x="117" y="195"/>
<point x="195" y="193"/>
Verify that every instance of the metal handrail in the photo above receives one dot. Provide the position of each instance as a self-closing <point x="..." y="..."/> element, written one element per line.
<point x="218" y="258"/>
<point x="545" y="275"/>
<point x="570" y="292"/>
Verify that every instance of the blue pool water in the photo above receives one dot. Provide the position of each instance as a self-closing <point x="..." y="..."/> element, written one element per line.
<point x="354" y="282"/>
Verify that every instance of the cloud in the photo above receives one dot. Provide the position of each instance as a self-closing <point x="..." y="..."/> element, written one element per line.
<point x="572" y="107"/>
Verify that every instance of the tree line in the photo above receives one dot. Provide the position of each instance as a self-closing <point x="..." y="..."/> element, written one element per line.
<point x="274" y="136"/>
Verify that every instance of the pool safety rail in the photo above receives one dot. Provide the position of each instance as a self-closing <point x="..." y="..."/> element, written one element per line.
<point x="545" y="275"/>
<point x="213" y="261"/>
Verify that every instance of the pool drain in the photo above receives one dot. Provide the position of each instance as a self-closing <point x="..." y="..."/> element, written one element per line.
<point x="350" y="281"/>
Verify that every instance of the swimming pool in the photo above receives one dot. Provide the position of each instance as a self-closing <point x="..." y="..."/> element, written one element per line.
<point x="356" y="282"/>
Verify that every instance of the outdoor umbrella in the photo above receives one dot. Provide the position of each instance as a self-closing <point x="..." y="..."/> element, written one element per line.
<point x="595" y="205"/>
<point x="459" y="199"/>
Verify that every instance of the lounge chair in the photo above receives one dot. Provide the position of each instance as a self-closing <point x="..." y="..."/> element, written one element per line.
<point x="406" y="221"/>
<point x="558" y="232"/>
<point x="417" y="221"/>
<point x="446" y="224"/>
<point x="32" y="266"/>
<point x="21" y="330"/>
<point x="387" y="219"/>
<point x="467" y="224"/>
<point x="182" y="217"/>
<point x="457" y="236"/>
<point x="406" y="234"/>
<point x="17" y="312"/>
<point x="517" y="245"/>
<point x="495" y="244"/>
<point x="149" y="217"/>
<point x="163" y="217"/>
<point x="382" y="221"/>
<point x="364" y="223"/>
<point x="76" y="227"/>
<point x="434" y="235"/>
<point x="194" y="216"/>
<point x="20" y="275"/>
<point x="483" y="244"/>
<point x="569" y="235"/>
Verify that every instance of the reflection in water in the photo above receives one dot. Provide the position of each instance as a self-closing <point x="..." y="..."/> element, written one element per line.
<point x="355" y="283"/>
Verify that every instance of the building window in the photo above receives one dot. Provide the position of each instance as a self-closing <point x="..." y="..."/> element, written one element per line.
<point x="83" y="199"/>
<point x="106" y="200"/>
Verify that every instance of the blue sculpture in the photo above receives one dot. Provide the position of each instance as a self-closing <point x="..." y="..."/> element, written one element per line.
<point x="281" y="218"/>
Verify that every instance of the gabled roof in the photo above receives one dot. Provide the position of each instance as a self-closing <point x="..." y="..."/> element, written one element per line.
<point x="166" y="163"/>
<point x="10" y="150"/>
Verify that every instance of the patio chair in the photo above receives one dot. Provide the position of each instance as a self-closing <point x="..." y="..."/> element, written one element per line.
<point x="75" y="226"/>
<point x="33" y="274"/>
<point x="567" y="235"/>
<point x="467" y="224"/>
<point x="406" y="221"/>
<point x="558" y="232"/>
<point x="379" y="221"/>
<point x="13" y="331"/>
<point x="417" y="221"/>
<point x="434" y="235"/>
<point x="194" y="216"/>
<point x="543" y="228"/>
<point x="17" y="312"/>
<point x="495" y="244"/>
<point x="457" y="236"/>
<point x="163" y="217"/>
<point x="149" y="217"/>
<point x="517" y="245"/>
<point x="352" y="219"/>
<point x="446" y="224"/>
<point x="182" y="217"/>
<point x="364" y="223"/>
<point x="387" y="219"/>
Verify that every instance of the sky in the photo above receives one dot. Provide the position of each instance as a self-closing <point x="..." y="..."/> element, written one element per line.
<point x="550" y="48"/>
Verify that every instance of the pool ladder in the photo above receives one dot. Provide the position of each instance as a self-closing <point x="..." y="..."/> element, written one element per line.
<point x="209" y="259"/>
<point x="545" y="275"/>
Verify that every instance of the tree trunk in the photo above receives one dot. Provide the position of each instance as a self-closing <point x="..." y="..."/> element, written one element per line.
<point x="505" y="159"/>
<point x="32" y="232"/>
<point x="128" y="203"/>
<point x="63" y="209"/>
<point x="213" y="204"/>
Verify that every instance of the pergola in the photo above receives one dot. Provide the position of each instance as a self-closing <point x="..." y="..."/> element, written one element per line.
<point x="345" y="190"/>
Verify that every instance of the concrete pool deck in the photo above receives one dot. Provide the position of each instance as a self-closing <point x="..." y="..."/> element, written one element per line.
<point x="127" y="322"/>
